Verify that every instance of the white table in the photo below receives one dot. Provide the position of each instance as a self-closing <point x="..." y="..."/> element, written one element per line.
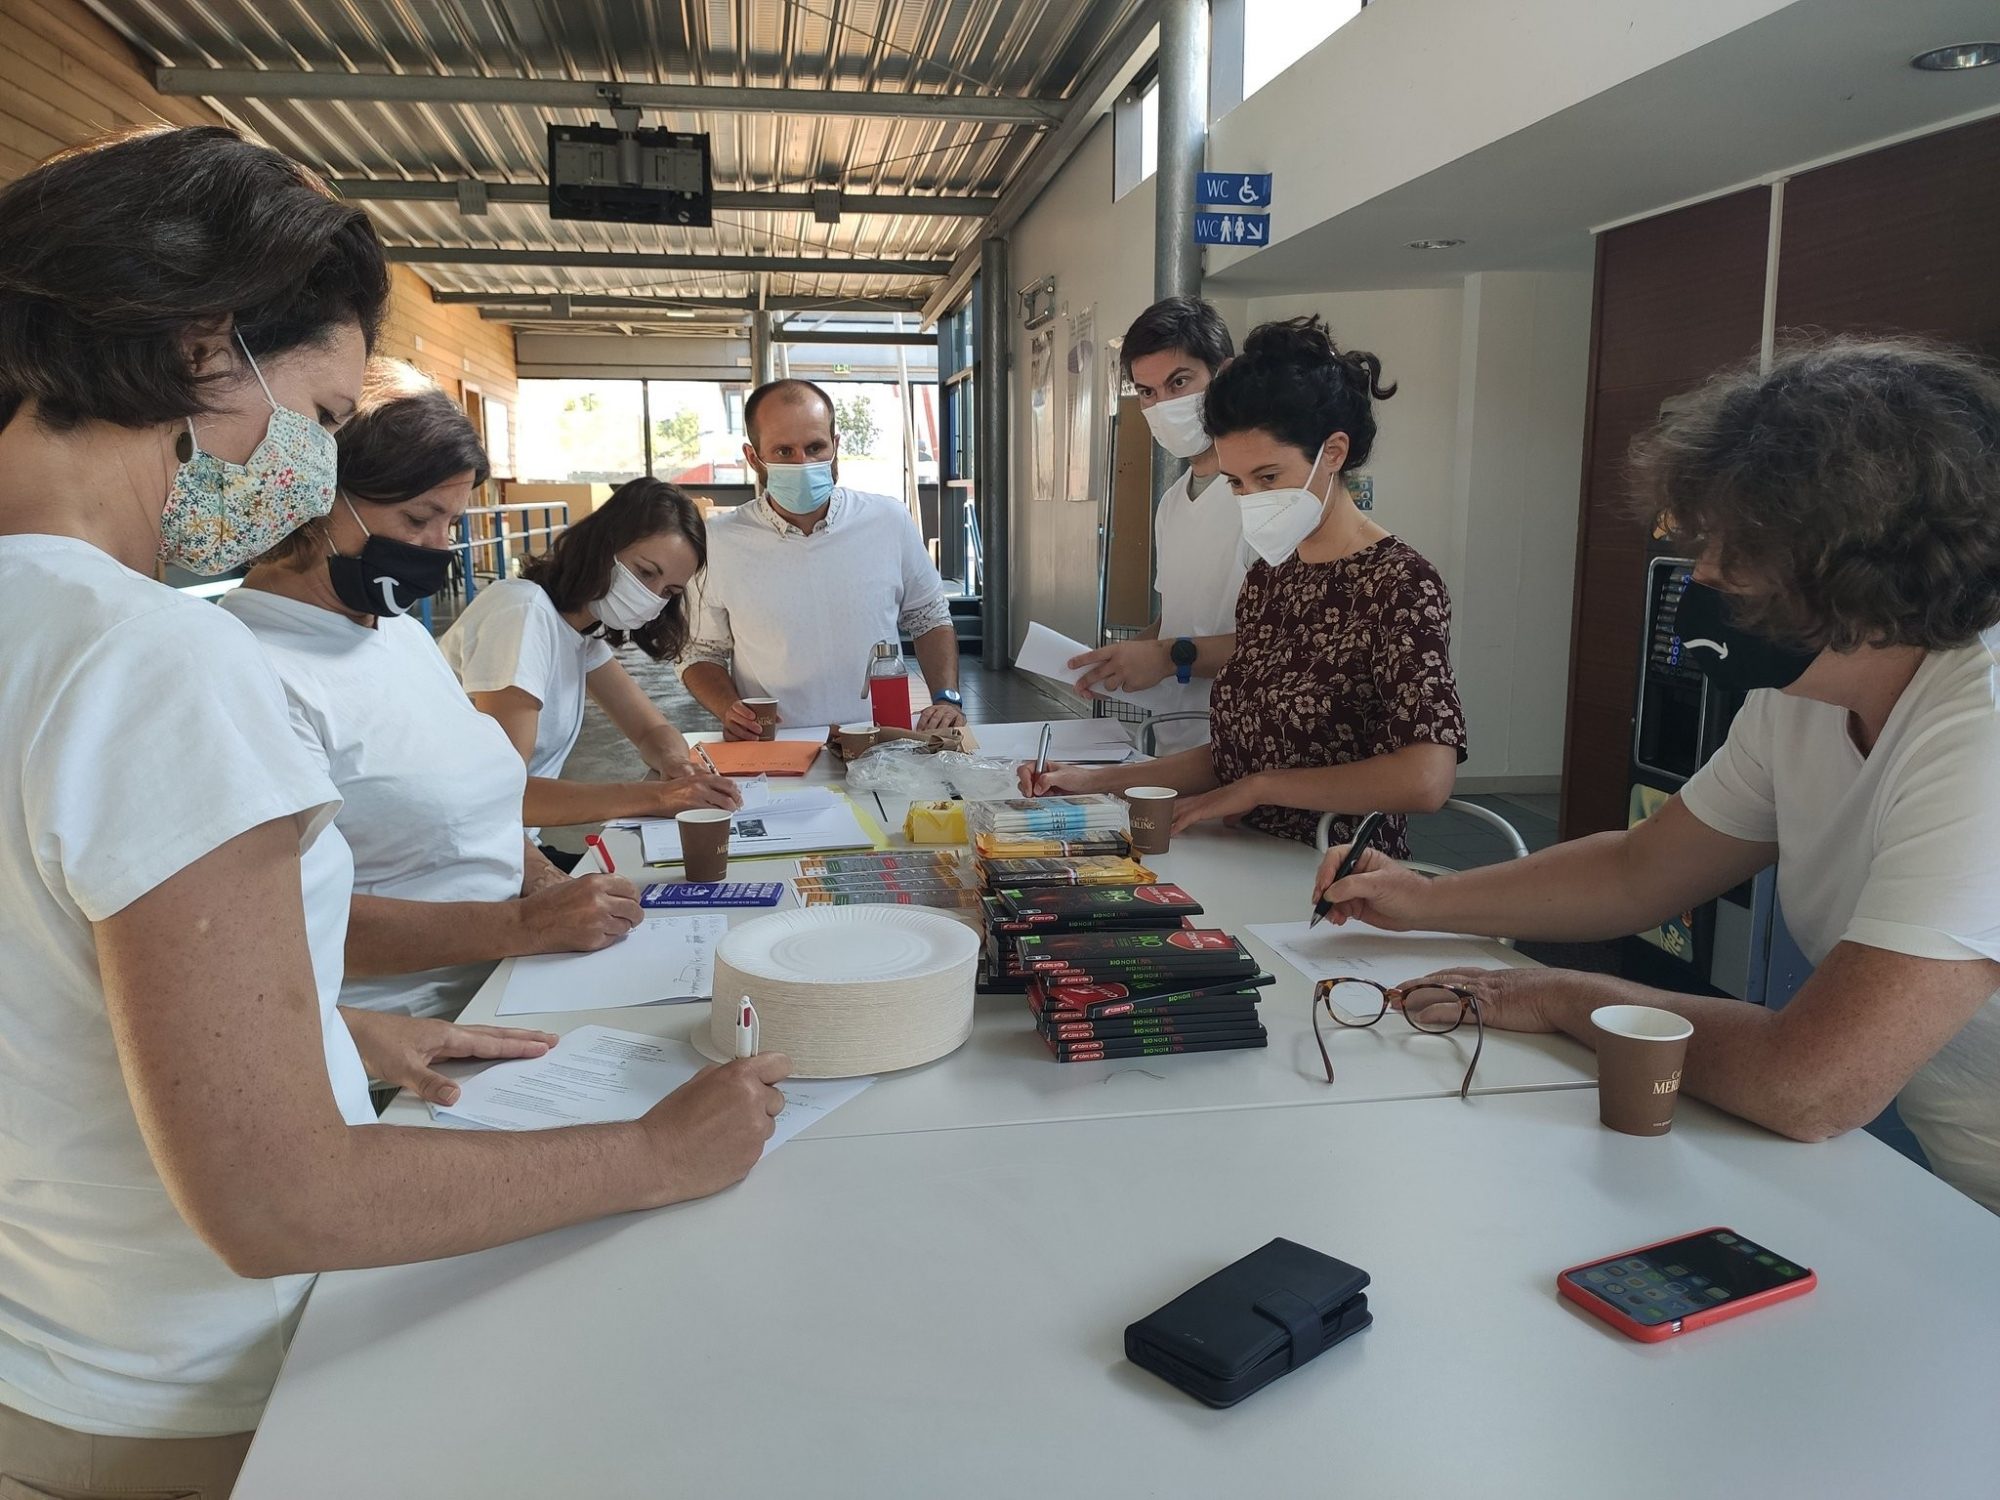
<point x="941" y="1313"/>
<point x="1005" y="1076"/>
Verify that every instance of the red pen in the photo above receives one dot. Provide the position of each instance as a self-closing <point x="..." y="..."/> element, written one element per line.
<point x="603" y="854"/>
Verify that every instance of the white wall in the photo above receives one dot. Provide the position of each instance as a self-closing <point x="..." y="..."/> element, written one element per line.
<point x="1406" y="88"/>
<point x="1101" y="253"/>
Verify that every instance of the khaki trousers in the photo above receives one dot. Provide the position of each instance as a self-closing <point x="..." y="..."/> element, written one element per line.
<point x="41" y="1461"/>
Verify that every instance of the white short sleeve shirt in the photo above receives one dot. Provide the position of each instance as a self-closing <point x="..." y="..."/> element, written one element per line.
<point x="1898" y="849"/>
<point x="1198" y="569"/>
<point x="512" y="636"/>
<point x="431" y="787"/>
<point x="140" y="730"/>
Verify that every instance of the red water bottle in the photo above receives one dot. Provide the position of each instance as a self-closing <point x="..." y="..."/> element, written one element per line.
<point x="889" y="686"/>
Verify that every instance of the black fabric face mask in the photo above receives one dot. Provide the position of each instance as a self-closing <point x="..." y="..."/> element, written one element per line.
<point x="387" y="577"/>
<point x="1727" y="655"/>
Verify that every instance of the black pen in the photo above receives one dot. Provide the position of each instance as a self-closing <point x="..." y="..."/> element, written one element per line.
<point x="1362" y="834"/>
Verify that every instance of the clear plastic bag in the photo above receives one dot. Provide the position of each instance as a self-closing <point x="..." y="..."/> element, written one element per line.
<point x="908" y="768"/>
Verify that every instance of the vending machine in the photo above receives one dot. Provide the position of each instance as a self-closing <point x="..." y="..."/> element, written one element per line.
<point x="1737" y="942"/>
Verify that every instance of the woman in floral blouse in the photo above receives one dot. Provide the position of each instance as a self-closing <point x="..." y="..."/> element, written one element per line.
<point x="1337" y="694"/>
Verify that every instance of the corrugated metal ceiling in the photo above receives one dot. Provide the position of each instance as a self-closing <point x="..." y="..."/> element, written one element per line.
<point x="1034" y="48"/>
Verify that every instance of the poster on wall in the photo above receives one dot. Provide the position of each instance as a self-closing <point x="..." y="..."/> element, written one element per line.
<point x="1042" y="414"/>
<point x="1081" y="399"/>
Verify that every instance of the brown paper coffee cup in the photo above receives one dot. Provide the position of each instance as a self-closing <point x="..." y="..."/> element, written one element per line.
<point x="766" y="710"/>
<point x="705" y="842"/>
<point x="855" y="739"/>
<point x="1152" y="817"/>
<point x="1640" y="1050"/>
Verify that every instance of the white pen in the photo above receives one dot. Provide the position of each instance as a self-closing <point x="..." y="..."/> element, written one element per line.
<point x="746" y="1029"/>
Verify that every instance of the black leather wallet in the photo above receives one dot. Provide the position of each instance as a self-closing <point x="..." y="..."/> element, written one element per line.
<point x="1250" y="1322"/>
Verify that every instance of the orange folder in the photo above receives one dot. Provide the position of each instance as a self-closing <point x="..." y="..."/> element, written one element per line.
<point x="765" y="757"/>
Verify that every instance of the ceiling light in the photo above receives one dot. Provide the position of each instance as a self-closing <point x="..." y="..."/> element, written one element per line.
<point x="1435" y="244"/>
<point x="680" y="312"/>
<point x="1958" y="58"/>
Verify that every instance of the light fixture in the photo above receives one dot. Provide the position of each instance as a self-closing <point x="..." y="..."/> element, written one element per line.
<point x="1957" y="58"/>
<point x="1444" y="244"/>
<point x="680" y="312"/>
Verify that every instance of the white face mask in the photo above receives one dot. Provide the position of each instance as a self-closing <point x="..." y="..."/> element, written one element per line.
<point x="1277" y="521"/>
<point x="1177" y="426"/>
<point x="629" y="604"/>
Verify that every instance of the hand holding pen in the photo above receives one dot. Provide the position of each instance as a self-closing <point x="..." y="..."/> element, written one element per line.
<point x="1347" y="866"/>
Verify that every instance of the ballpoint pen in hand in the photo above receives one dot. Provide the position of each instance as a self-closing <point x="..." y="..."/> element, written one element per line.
<point x="746" y="1029"/>
<point x="1362" y="834"/>
<point x="706" y="760"/>
<point x="596" y="846"/>
<point x="1042" y="752"/>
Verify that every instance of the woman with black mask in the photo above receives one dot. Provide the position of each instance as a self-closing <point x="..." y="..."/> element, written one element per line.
<point x="445" y="882"/>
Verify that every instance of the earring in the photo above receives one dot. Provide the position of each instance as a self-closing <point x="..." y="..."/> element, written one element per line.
<point x="184" y="445"/>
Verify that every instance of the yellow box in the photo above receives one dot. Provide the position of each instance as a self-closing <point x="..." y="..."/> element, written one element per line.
<point x="935" y="823"/>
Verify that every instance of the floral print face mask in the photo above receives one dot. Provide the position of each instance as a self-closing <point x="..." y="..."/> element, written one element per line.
<point x="219" y="515"/>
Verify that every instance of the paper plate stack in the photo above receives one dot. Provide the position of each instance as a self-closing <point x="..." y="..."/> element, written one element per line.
<point x="845" y="991"/>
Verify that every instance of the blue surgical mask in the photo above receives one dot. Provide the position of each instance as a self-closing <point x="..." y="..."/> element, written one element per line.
<point x="798" y="488"/>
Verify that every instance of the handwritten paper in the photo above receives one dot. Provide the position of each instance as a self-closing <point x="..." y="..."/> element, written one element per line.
<point x="1078" y="741"/>
<point x="667" y="959"/>
<point x="1362" y="952"/>
<point x="1047" y="653"/>
<point x="598" y="1076"/>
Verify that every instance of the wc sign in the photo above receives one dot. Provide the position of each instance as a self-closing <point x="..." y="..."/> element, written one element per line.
<point x="1231" y="193"/>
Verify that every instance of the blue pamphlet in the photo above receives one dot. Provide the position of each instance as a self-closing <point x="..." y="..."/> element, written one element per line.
<point x="685" y="893"/>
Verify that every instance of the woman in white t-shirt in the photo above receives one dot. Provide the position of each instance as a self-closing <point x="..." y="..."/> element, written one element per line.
<point x="445" y="882"/>
<point x="184" y="318"/>
<point x="530" y="649"/>
<point x="1845" y="508"/>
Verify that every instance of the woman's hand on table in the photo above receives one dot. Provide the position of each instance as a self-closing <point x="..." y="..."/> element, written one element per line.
<point x="1380" y="892"/>
<point x="940" y="716"/>
<point x="1123" y="667"/>
<point x="1229" y="803"/>
<point x="580" y="915"/>
<point x="699" y="790"/>
<point x="709" y="1132"/>
<point x="1511" y="999"/>
<point x="1055" y="778"/>
<point x="399" y="1050"/>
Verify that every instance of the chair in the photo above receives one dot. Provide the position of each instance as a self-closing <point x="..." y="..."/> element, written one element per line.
<point x="1146" y="742"/>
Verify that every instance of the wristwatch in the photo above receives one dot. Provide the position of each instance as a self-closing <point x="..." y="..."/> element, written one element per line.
<point x="1182" y="654"/>
<point x="948" y="695"/>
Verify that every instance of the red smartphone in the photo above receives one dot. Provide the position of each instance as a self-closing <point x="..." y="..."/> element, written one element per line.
<point x="1659" y="1291"/>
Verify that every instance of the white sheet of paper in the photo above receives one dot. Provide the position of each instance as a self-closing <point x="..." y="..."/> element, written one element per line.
<point x="1080" y="741"/>
<point x="1327" y="952"/>
<point x="815" y="732"/>
<point x="596" y="1076"/>
<point x="768" y="801"/>
<point x="667" y="958"/>
<point x="753" y="832"/>
<point x="1047" y="653"/>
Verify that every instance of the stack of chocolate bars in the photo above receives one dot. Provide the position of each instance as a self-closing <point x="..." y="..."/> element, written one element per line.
<point x="1122" y="971"/>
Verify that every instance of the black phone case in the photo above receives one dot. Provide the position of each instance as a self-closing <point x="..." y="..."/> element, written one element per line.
<point x="1249" y="1323"/>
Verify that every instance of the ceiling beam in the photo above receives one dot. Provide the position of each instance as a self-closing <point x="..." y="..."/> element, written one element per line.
<point x="1094" y="94"/>
<point x="648" y="260"/>
<point x="567" y="93"/>
<point x="526" y="300"/>
<point x="397" y="189"/>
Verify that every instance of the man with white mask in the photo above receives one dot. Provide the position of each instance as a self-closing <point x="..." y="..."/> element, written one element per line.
<point x="804" y="580"/>
<point x="1171" y="352"/>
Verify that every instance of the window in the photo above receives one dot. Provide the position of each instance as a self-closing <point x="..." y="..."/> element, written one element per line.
<point x="1135" y="133"/>
<point x="697" y="432"/>
<point x="579" y="431"/>
<point x="1277" y="33"/>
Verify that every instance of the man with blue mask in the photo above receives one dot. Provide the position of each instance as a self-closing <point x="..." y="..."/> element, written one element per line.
<point x="805" y="579"/>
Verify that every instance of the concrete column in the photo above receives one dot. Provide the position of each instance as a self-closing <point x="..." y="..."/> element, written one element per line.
<point x="996" y="306"/>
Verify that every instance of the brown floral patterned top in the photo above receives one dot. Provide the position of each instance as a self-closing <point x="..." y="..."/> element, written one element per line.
<point x="1336" y="662"/>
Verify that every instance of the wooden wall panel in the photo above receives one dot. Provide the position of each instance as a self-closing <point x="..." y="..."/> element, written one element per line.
<point x="1905" y="239"/>
<point x="1676" y="297"/>
<point x="65" y="76"/>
